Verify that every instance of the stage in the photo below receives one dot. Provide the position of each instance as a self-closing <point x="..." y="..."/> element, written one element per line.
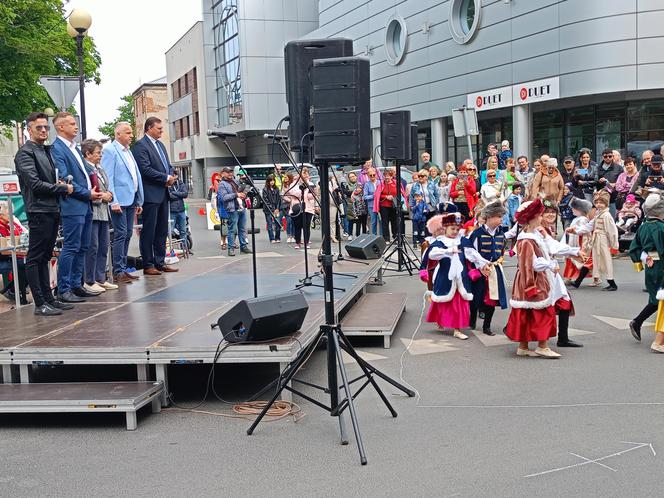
<point x="166" y="319"/>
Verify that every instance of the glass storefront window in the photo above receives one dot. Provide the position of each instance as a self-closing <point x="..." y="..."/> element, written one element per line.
<point x="227" y="62"/>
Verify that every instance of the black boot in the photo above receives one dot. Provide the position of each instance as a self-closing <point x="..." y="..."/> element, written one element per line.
<point x="611" y="287"/>
<point x="635" y="325"/>
<point x="473" y="315"/>
<point x="563" y="337"/>
<point x="582" y="274"/>
<point x="488" y="315"/>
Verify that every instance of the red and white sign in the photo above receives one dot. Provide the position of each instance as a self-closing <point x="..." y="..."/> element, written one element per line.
<point x="9" y="184"/>
<point x="490" y="99"/>
<point x="536" y="91"/>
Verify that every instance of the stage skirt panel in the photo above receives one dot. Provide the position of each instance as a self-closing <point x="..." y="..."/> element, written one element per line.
<point x="531" y="324"/>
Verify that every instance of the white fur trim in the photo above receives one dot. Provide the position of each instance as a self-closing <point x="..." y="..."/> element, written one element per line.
<point x="457" y="285"/>
<point x="531" y="305"/>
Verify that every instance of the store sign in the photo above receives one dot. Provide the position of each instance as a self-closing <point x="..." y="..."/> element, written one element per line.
<point x="536" y="91"/>
<point x="490" y="99"/>
<point x="9" y="185"/>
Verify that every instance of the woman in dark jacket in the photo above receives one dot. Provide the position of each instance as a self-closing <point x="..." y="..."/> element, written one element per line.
<point x="272" y="209"/>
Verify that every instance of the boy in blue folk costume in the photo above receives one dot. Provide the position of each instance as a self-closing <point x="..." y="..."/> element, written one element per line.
<point x="450" y="295"/>
<point x="484" y="249"/>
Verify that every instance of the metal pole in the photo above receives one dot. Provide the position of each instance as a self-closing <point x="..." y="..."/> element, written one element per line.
<point x="12" y="241"/>
<point x="81" y="83"/>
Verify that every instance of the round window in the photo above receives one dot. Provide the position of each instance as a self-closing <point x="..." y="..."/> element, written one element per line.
<point x="464" y="19"/>
<point x="396" y="35"/>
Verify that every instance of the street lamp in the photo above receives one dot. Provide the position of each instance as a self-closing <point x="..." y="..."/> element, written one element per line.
<point x="77" y="27"/>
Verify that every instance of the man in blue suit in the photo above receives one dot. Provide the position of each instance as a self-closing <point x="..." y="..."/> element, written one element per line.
<point x="124" y="182"/>
<point x="157" y="175"/>
<point x="75" y="209"/>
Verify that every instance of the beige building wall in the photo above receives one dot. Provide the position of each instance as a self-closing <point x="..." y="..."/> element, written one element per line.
<point x="151" y="99"/>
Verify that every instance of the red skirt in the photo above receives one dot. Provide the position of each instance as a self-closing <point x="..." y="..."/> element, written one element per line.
<point x="454" y="314"/>
<point x="571" y="272"/>
<point x="531" y="325"/>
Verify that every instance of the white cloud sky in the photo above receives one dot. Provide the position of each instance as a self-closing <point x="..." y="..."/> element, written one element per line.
<point x="131" y="37"/>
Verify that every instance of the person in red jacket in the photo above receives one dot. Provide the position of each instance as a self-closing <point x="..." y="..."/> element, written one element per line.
<point x="463" y="192"/>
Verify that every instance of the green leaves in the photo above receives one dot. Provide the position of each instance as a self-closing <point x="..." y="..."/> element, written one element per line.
<point x="126" y="113"/>
<point x="34" y="42"/>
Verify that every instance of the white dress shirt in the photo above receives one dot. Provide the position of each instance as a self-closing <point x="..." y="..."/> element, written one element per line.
<point x="131" y="164"/>
<point x="72" y="147"/>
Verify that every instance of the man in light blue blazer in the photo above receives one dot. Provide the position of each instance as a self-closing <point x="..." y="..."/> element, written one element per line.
<point x="125" y="184"/>
<point x="75" y="209"/>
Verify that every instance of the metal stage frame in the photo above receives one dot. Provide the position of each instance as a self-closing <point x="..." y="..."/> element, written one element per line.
<point x="192" y="343"/>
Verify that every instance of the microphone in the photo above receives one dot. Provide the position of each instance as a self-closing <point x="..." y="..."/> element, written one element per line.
<point x="69" y="178"/>
<point x="276" y="137"/>
<point x="220" y="134"/>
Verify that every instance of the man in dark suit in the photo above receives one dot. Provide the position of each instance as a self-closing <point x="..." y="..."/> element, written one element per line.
<point x="157" y="176"/>
<point x="41" y="191"/>
<point x="75" y="209"/>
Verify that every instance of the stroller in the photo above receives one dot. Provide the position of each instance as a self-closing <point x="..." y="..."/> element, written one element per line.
<point x="625" y="237"/>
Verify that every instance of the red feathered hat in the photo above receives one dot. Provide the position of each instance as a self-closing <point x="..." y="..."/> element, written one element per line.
<point x="451" y="219"/>
<point x="528" y="211"/>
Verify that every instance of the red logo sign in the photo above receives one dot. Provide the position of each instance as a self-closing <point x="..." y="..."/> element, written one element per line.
<point x="182" y="155"/>
<point x="479" y="102"/>
<point x="523" y="93"/>
<point x="10" y="187"/>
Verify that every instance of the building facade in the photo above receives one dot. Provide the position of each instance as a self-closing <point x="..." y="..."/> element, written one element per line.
<point x="151" y="99"/>
<point x="550" y="76"/>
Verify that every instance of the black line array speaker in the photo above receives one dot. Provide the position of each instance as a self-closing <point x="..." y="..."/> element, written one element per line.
<point x="264" y="318"/>
<point x="395" y="133"/>
<point x="299" y="57"/>
<point x="366" y="246"/>
<point x="340" y="110"/>
<point x="414" y="152"/>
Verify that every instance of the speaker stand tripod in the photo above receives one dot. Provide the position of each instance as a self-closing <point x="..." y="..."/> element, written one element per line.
<point x="336" y="342"/>
<point x="406" y="259"/>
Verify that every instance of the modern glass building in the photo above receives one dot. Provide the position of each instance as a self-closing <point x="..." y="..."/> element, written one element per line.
<point x="548" y="75"/>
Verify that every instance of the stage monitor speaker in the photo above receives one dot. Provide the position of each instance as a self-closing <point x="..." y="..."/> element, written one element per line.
<point x="414" y="152"/>
<point x="395" y="141"/>
<point x="366" y="246"/>
<point x="340" y="110"/>
<point x="299" y="57"/>
<point x="264" y="318"/>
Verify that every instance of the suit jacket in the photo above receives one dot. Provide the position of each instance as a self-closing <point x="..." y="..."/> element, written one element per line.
<point x="78" y="203"/>
<point x="120" y="182"/>
<point x="153" y="171"/>
<point x="36" y="175"/>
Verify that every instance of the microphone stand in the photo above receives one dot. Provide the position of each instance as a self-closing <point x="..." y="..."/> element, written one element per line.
<point x="256" y="195"/>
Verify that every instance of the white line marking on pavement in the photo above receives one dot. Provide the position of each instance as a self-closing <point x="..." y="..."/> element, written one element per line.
<point x="592" y="461"/>
<point x="586" y="462"/>
<point x="618" y="323"/>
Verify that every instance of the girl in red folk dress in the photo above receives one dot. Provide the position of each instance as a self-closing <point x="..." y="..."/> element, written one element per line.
<point x="533" y="315"/>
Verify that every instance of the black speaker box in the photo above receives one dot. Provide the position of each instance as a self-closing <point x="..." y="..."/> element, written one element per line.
<point x="395" y="136"/>
<point x="264" y="318"/>
<point x="366" y="246"/>
<point x="414" y="152"/>
<point x="299" y="57"/>
<point x="340" y="110"/>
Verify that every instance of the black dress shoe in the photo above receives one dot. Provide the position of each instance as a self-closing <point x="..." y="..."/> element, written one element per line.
<point x="487" y="332"/>
<point x="69" y="297"/>
<point x="569" y="344"/>
<point x="46" y="310"/>
<point x="60" y="305"/>
<point x="610" y="288"/>
<point x="635" y="329"/>
<point x="81" y="292"/>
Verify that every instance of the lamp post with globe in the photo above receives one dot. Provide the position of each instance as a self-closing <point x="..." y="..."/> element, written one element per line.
<point x="77" y="27"/>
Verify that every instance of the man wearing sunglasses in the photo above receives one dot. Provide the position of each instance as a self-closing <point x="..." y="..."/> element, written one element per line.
<point x="607" y="176"/>
<point x="41" y="190"/>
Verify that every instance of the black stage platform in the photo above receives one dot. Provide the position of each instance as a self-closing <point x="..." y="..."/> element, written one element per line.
<point x="166" y="319"/>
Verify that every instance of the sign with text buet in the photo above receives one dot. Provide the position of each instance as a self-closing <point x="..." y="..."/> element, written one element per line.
<point x="490" y="99"/>
<point x="536" y="91"/>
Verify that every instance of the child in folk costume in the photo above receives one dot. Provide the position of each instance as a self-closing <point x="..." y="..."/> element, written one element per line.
<point x="647" y="251"/>
<point x="575" y="270"/>
<point x="604" y="239"/>
<point x="561" y="298"/>
<point x="484" y="248"/>
<point x="428" y="266"/>
<point x="533" y="314"/>
<point x="451" y="285"/>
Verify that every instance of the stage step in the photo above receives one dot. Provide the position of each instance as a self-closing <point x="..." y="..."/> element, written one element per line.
<point x="70" y="397"/>
<point x="375" y="314"/>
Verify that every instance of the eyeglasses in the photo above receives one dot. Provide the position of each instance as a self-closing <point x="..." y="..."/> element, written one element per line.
<point x="372" y="175"/>
<point x="606" y="156"/>
<point x="42" y="127"/>
<point x="490" y="176"/>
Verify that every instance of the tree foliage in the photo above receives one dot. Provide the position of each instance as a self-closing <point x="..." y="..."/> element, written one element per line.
<point x="34" y="42"/>
<point x="125" y="113"/>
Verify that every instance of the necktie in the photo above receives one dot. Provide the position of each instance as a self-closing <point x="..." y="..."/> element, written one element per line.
<point x="162" y="156"/>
